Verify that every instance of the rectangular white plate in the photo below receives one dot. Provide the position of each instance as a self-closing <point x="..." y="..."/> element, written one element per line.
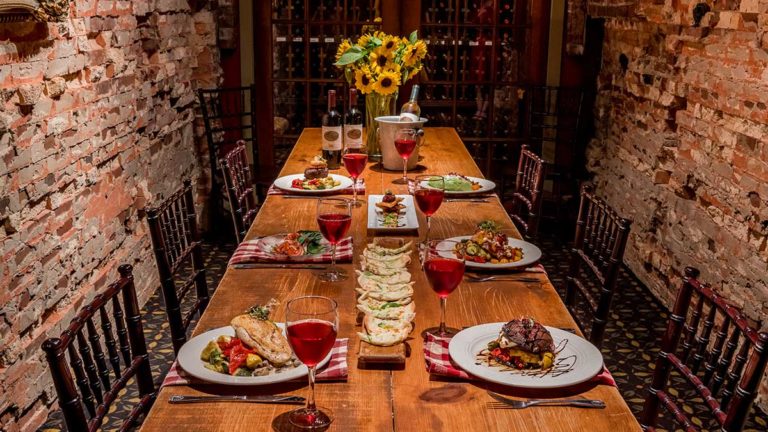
<point x="407" y="221"/>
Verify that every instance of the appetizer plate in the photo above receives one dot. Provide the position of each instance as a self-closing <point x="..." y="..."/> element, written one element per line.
<point x="531" y="254"/>
<point x="285" y="182"/>
<point x="408" y="221"/>
<point x="485" y="186"/>
<point x="189" y="360"/>
<point x="578" y="360"/>
<point x="268" y="243"/>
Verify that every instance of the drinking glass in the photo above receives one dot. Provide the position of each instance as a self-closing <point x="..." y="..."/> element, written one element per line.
<point x="444" y="271"/>
<point x="354" y="162"/>
<point x="405" y="142"/>
<point x="429" y="191"/>
<point x="311" y="325"/>
<point x="334" y="216"/>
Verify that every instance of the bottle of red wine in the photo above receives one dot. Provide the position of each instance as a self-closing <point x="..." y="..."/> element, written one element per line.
<point x="353" y="125"/>
<point x="411" y="111"/>
<point x="332" y="133"/>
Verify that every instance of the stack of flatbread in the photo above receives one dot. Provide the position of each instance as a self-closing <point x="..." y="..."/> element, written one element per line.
<point x="386" y="294"/>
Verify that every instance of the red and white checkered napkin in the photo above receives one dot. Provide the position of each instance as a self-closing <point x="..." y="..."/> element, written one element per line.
<point x="439" y="362"/>
<point x="274" y="190"/>
<point x="335" y="370"/>
<point x="250" y="251"/>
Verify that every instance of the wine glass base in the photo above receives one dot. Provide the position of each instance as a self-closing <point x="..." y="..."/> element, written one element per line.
<point x="334" y="275"/>
<point x="306" y="419"/>
<point x="435" y="331"/>
<point x="401" y="181"/>
<point x="356" y="203"/>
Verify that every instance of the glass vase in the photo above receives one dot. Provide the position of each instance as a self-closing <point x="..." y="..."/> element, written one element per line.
<point x="377" y="105"/>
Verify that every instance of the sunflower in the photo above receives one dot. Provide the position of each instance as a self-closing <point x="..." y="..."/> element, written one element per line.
<point x="364" y="40"/>
<point x="390" y="43"/>
<point x="363" y="80"/>
<point x="413" y="72"/>
<point x="414" y="53"/>
<point x="343" y="47"/>
<point x="387" y="83"/>
<point x="381" y="59"/>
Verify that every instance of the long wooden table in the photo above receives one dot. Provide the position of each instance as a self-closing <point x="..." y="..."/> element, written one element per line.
<point x="383" y="400"/>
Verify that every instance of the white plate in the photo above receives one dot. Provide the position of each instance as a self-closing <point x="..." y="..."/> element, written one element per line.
<point x="189" y="360"/>
<point x="284" y="183"/>
<point x="485" y="186"/>
<point x="531" y="254"/>
<point x="583" y="359"/>
<point x="408" y="219"/>
<point x="268" y="243"/>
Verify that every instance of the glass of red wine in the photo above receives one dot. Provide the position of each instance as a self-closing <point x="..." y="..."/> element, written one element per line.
<point x="444" y="271"/>
<point x="406" y="141"/>
<point x="334" y="216"/>
<point x="311" y="325"/>
<point x="429" y="191"/>
<point x="354" y="162"/>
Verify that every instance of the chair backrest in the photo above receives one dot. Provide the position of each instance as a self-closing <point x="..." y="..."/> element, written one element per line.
<point x="596" y="257"/>
<point x="239" y="182"/>
<point x="229" y="117"/>
<point x="87" y="379"/>
<point x="553" y="114"/>
<point x="716" y="349"/>
<point x="176" y="242"/>
<point x="526" y="200"/>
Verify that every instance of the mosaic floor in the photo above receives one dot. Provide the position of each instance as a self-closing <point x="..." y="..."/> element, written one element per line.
<point x="630" y="345"/>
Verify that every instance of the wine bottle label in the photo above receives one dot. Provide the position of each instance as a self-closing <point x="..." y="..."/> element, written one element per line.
<point x="409" y="117"/>
<point x="353" y="136"/>
<point x="331" y="137"/>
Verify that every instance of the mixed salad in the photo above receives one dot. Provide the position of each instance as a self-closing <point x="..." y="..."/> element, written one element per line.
<point x="457" y="183"/>
<point x="488" y="245"/>
<point x="299" y="243"/>
<point x="324" y="183"/>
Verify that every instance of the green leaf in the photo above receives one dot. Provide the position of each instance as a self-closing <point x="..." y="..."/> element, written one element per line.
<point x="376" y="41"/>
<point x="349" y="57"/>
<point x="388" y="305"/>
<point x="413" y="37"/>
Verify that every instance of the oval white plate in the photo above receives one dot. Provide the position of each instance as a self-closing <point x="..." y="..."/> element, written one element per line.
<point x="189" y="360"/>
<point x="485" y="186"/>
<point x="531" y="254"/>
<point x="585" y="359"/>
<point x="284" y="183"/>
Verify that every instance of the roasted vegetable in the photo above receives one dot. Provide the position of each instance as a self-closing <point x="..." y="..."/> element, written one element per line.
<point x="252" y="360"/>
<point x="210" y="352"/>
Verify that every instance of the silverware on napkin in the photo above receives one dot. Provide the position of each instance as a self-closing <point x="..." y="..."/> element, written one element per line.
<point x="478" y="278"/>
<point x="475" y="200"/>
<point x="282" y="266"/>
<point x="520" y="404"/>
<point x="268" y="399"/>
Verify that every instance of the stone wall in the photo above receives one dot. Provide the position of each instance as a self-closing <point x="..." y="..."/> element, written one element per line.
<point x="97" y="120"/>
<point x="682" y="141"/>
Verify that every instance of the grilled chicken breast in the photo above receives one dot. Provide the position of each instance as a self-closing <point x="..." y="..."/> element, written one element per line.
<point x="263" y="336"/>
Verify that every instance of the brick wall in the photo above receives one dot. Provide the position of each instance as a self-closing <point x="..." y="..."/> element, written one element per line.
<point x="97" y="119"/>
<point x="682" y="141"/>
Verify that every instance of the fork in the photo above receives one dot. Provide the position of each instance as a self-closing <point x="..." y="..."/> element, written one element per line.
<point x="507" y="403"/>
<point x="478" y="278"/>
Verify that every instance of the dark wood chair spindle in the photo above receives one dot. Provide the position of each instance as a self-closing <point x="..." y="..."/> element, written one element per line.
<point x="525" y="209"/>
<point x="238" y="180"/>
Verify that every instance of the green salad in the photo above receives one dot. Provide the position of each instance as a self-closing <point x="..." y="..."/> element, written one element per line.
<point x="456" y="184"/>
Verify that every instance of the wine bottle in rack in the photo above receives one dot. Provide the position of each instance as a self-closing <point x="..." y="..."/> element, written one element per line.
<point x="353" y="125"/>
<point x="411" y="111"/>
<point x="332" y="133"/>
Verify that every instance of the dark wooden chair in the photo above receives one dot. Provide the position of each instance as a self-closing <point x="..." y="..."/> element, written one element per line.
<point x="596" y="257"/>
<point x="239" y="183"/>
<point x="716" y="349"/>
<point x="526" y="199"/>
<point x="87" y="379"/>
<point x="176" y="242"/>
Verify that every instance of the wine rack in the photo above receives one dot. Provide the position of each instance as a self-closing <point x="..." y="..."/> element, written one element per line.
<point x="476" y="74"/>
<point x="305" y="36"/>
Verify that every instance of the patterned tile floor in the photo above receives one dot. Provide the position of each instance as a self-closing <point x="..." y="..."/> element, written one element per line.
<point x="630" y="347"/>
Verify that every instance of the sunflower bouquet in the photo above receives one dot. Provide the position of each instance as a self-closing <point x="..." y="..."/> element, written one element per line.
<point x="379" y="62"/>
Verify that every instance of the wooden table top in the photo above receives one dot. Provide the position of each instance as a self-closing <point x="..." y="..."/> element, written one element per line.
<point x="380" y="400"/>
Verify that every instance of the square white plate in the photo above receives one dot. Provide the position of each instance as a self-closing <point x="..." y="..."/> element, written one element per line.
<point x="406" y="222"/>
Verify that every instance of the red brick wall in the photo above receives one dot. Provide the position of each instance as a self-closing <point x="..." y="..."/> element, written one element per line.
<point x="97" y="119"/>
<point x="682" y="142"/>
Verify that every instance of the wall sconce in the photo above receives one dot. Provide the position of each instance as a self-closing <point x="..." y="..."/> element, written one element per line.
<point x="39" y="10"/>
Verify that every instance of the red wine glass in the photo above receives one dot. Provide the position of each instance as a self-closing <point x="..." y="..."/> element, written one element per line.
<point x="444" y="271"/>
<point x="406" y="141"/>
<point x="311" y="325"/>
<point x="429" y="191"/>
<point x="334" y="216"/>
<point x="354" y="162"/>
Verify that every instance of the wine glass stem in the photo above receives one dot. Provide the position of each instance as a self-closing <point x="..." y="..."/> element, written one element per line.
<point x="405" y="171"/>
<point x="354" y="190"/>
<point x="311" y="398"/>
<point x="442" y="330"/>
<point x="333" y="258"/>
<point x="426" y="240"/>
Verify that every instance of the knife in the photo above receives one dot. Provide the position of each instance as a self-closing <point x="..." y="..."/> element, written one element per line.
<point x="268" y="399"/>
<point x="283" y="266"/>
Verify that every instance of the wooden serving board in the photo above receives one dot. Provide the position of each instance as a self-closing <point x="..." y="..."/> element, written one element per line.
<point x="372" y="356"/>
